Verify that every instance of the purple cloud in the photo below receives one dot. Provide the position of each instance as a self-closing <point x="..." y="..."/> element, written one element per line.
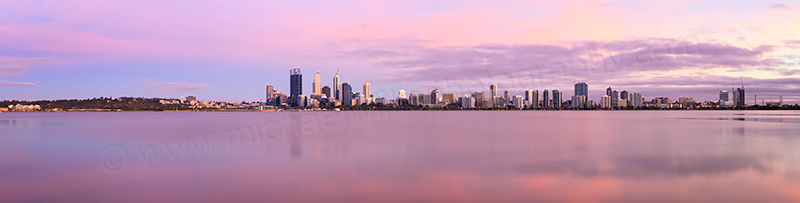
<point x="16" y="66"/>
<point x="780" y="6"/>
<point x="172" y="87"/>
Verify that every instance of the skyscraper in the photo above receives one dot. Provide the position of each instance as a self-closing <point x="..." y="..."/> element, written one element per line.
<point x="581" y="89"/>
<point x="506" y="97"/>
<point x="434" y="96"/>
<point x="546" y="99"/>
<point x="337" y="91"/>
<point x="367" y="93"/>
<point x="557" y="99"/>
<point x="449" y="98"/>
<point x="317" y="84"/>
<point x="739" y="100"/>
<point x="535" y="99"/>
<point x="493" y="88"/>
<point x="479" y="97"/>
<point x="528" y="97"/>
<point x="636" y="99"/>
<point x="346" y="93"/>
<point x="614" y="98"/>
<point x="401" y="94"/>
<point x="296" y="85"/>
<point x="605" y="101"/>
<point x="608" y="91"/>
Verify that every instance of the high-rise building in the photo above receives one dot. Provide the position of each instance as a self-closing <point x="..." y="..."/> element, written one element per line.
<point x="506" y="97"/>
<point x="317" y="84"/>
<point x="535" y="99"/>
<point x="467" y="102"/>
<point x="605" y="102"/>
<point x="518" y="101"/>
<point x="296" y="85"/>
<point x="581" y="89"/>
<point x="346" y="94"/>
<point x="493" y="89"/>
<point x="546" y="99"/>
<point x="270" y="92"/>
<point x="636" y="99"/>
<point x="528" y="97"/>
<point x="723" y="96"/>
<point x="739" y="97"/>
<point x="614" y="98"/>
<point x="449" y="97"/>
<point x="578" y="101"/>
<point x="401" y="94"/>
<point x="608" y="92"/>
<point x="557" y="99"/>
<point x="434" y="96"/>
<point x="367" y="90"/>
<point x="479" y="97"/>
<point x="337" y="91"/>
<point x="624" y="96"/>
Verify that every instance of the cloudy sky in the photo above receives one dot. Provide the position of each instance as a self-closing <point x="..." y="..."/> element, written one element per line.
<point x="229" y="50"/>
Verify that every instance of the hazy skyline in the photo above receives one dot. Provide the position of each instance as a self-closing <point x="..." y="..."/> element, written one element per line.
<point x="229" y="51"/>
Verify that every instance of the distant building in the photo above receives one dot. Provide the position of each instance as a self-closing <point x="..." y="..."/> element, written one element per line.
<point x="518" y="101"/>
<point x="578" y="101"/>
<point x="687" y="101"/>
<point x="498" y="101"/>
<point x="337" y="91"/>
<point x="191" y="98"/>
<point x="534" y="103"/>
<point x="739" y="98"/>
<point x="434" y="96"/>
<point x="449" y="97"/>
<point x="581" y="89"/>
<point x="614" y="98"/>
<point x="346" y="94"/>
<point x="270" y="92"/>
<point x="401" y="94"/>
<point x="479" y="97"/>
<point x="546" y="99"/>
<point x="493" y="89"/>
<point x="622" y="102"/>
<point x="317" y="84"/>
<point x="624" y="96"/>
<point x="605" y="102"/>
<point x="723" y="96"/>
<point x="467" y="102"/>
<point x="636" y="99"/>
<point x="296" y="85"/>
<point x="557" y="99"/>
<point x="326" y="91"/>
<point x="367" y="92"/>
<point x="506" y="97"/>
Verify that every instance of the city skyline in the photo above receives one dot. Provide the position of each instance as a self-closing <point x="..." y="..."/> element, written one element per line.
<point x="228" y="52"/>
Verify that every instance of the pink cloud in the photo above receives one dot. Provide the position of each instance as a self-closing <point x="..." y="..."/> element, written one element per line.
<point x="172" y="87"/>
<point x="19" y="84"/>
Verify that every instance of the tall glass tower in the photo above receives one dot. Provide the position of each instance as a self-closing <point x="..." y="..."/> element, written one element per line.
<point x="296" y="85"/>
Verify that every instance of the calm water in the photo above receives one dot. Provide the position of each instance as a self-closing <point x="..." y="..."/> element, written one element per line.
<point x="464" y="156"/>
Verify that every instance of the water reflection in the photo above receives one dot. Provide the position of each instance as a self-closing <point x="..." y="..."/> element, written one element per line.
<point x="403" y="156"/>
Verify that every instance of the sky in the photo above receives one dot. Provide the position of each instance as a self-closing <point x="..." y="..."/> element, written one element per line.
<point x="230" y="50"/>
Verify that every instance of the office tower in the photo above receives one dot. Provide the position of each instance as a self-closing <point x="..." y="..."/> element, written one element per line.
<point x="686" y="101"/>
<point x="636" y="99"/>
<point x="296" y="85"/>
<point x="506" y="97"/>
<point x="317" y="85"/>
<point x="557" y="99"/>
<point x="608" y="91"/>
<point x="434" y="96"/>
<point x="518" y="101"/>
<point x="581" y="89"/>
<point x="498" y="102"/>
<point x="326" y="91"/>
<point x="337" y="91"/>
<point x="528" y="96"/>
<point x="346" y="94"/>
<point x="535" y="99"/>
<point x="546" y="99"/>
<point x="270" y="92"/>
<point x="449" y="98"/>
<point x="614" y="98"/>
<point x="479" y="97"/>
<point x="723" y="95"/>
<point x="401" y="94"/>
<point x="493" y="89"/>
<point x="367" y="93"/>
<point x="300" y="101"/>
<point x="425" y="98"/>
<point x="739" y="97"/>
<point x="412" y="99"/>
<point x="605" y="102"/>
